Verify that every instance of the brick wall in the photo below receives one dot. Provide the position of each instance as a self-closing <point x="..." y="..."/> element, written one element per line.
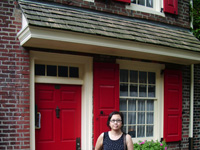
<point x="14" y="81"/>
<point x="184" y="144"/>
<point x="119" y="8"/>
<point x="196" y="125"/>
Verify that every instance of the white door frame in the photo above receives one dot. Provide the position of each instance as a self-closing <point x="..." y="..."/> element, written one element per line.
<point x="86" y="81"/>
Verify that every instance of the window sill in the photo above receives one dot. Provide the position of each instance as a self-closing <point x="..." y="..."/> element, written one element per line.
<point x="137" y="140"/>
<point x="145" y="9"/>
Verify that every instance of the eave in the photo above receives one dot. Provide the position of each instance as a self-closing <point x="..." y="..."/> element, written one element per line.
<point x="38" y="37"/>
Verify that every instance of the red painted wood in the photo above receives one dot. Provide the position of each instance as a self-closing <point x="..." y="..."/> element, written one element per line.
<point x="125" y="1"/>
<point x="58" y="133"/>
<point x="171" y="6"/>
<point x="172" y="105"/>
<point x="106" y="95"/>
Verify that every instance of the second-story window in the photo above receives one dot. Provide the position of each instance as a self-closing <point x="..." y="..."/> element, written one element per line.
<point x="147" y="6"/>
<point x="147" y="3"/>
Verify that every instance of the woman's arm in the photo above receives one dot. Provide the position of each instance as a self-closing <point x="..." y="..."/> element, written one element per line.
<point x="129" y="142"/>
<point x="99" y="143"/>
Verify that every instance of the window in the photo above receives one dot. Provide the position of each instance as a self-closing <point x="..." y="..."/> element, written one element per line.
<point x="56" y="71"/>
<point x="147" y="6"/>
<point x="147" y="3"/>
<point x="137" y="95"/>
<point x="141" y="99"/>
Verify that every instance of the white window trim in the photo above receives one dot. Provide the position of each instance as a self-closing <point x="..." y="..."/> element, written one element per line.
<point x="159" y="99"/>
<point x="86" y="92"/>
<point x="156" y="10"/>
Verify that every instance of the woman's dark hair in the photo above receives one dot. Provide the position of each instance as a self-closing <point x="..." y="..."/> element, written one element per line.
<point x="115" y="113"/>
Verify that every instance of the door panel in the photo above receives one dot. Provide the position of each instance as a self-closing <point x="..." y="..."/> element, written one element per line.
<point x="48" y="125"/>
<point x="69" y="121"/>
<point x="58" y="132"/>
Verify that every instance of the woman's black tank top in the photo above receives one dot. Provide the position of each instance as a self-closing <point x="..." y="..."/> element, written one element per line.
<point x="109" y="144"/>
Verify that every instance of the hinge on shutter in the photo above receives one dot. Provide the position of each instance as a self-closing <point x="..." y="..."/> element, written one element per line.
<point x="161" y="10"/>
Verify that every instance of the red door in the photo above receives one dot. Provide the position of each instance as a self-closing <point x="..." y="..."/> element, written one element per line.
<point x="106" y="95"/>
<point x="58" y="131"/>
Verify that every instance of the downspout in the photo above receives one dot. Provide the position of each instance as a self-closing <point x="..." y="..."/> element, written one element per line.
<point x="191" y="94"/>
<point x="191" y="108"/>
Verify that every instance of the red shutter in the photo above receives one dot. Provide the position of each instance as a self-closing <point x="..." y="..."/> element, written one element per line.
<point x="125" y="1"/>
<point x="171" y="6"/>
<point x="105" y="95"/>
<point x="172" y="105"/>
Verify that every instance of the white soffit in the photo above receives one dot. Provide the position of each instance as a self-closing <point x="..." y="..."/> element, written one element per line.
<point x="37" y="37"/>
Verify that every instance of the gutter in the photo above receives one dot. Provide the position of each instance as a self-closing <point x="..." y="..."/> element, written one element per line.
<point x="191" y="95"/>
<point x="191" y="108"/>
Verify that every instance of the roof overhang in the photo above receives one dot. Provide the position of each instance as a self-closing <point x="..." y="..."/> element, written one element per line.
<point x="37" y="37"/>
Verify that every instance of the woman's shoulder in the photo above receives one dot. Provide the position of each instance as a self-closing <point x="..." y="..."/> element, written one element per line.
<point x="128" y="137"/>
<point x="103" y="134"/>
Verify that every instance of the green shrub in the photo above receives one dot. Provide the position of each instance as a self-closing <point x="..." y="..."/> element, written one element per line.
<point x="150" y="145"/>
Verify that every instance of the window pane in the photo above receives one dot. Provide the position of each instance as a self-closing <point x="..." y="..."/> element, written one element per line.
<point x="39" y="69"/>
<point x="134" y="90"/>
<point x="149" y="131"/>
<point x="132" y="118"/>
<point x="150" y="118"/>
<point x="149" y="3"/>
<point x="62" y="71"/>
<point x="125" y="118"/>
<point x="123" y="75"/>
<point x="51" y="70"/>
<point x="141" y="118"/>
<point x="150" y="105"/>
<point x="151" y="91"/>
<point x="131" y="131"/>
<point x="134" y="76"/>
<point x="143" y="91"/>
<point x="74" y="72"/>
<point x="143" y="77"/>
<point x="141" y="105"/>
<point x="123" y="105"/>
<point x="151" y="78"/>
<point x="132" y="105"/>
<point x="141" y="2"/>
<point x="140" y="131"/>
<point x="123" y="89"/>
<point x="133" y="1"/>
<point x="124" y="129"/>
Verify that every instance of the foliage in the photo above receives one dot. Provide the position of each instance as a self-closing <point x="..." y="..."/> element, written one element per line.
<point x="150" y="145"/>
<point x="195" y="13"/>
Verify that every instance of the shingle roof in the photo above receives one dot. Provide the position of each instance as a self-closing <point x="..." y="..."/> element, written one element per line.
<point x="65" y="18"/>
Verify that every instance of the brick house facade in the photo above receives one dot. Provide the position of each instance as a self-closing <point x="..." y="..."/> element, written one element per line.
<point x="16" y="78"/>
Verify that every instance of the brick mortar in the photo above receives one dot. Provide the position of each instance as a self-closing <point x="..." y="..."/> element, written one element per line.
<point x="196" y="124"/>
<point x="14" y="79"/>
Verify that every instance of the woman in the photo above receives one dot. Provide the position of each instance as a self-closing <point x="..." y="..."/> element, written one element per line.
<point x="114" y="139"/>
